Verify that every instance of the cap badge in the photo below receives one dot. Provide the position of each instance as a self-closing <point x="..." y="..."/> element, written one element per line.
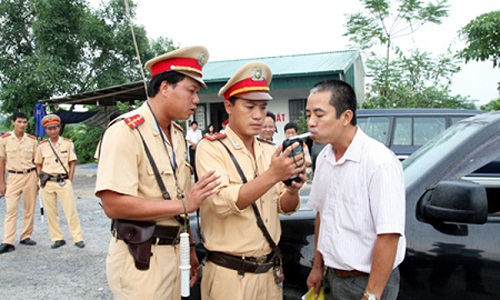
<point x="202" y="59"/>
<point x="257" y="75"/>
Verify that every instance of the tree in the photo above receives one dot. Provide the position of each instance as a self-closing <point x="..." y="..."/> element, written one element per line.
<point x="482" y="37"/>
<point x="399" y="79"/>
<point x="61" y="47"/>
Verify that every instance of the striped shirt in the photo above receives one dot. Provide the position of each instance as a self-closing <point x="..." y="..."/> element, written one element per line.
<point x="358" y="197"/>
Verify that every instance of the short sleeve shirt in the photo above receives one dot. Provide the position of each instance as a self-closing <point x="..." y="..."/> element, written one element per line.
<point x="358" y="197"/>
<point x="51" y="163"/>
<point x="124" y="166"/>
<point x="227" y="228"/>
<point x="19" y="153"/>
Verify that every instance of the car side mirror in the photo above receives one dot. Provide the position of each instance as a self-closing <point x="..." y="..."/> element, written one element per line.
<point x="459" y="201"/>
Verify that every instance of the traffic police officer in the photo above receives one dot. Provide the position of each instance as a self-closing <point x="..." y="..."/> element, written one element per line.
<point x="239" y="255"/>
<point x="129" y="189"/>
<point x="17" y="155"/>
<point x="56" y="157"/>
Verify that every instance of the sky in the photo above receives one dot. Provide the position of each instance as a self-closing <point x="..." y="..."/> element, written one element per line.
<point x="232" y="29"/>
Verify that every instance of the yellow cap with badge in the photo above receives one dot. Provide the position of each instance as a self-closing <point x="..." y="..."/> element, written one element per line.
<point x="188" y="61"/>
<point x="51" y="120"/>
<point x="250" y="82"/>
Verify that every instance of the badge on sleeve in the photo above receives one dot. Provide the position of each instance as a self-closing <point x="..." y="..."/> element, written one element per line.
<point x="134" y="121"/>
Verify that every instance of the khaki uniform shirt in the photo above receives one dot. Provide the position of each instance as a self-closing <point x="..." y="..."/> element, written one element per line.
<point x="125" y="168"/>
<point x="50" y="163"/>
<point x="227" y="228"/>
<point x="19" y="154"/>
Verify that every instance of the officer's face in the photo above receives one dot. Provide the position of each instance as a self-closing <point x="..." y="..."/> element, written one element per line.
<point x="20" y="125"/>
<point x="53" y="131"/>
<point x="184" y="98"/>
<point x="247" y="116"/>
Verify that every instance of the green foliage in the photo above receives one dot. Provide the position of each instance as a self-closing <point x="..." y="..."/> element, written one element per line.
<point x="85" y="139"/>
<point x="63" y="47"/>
<point x="399" y="79"/>
<point x="482" y="36"/>
<point x="492" y="105"/>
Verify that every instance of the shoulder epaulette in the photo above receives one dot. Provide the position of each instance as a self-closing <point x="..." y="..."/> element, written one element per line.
<point x="134" y="121"/>
<point x="215" y="136"/>
<point x="67" y="139"/>
<point x="43" y="141"/>
<point x="6" y="135"/>
<point x="178" y="126"/>
<point x="265" y="141"/>
<point x="31" y="136"/>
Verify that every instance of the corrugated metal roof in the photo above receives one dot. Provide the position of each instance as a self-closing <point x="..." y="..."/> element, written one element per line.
<point x="286" y="65"/>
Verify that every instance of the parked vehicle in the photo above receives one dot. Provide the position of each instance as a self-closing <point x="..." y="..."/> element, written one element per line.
<point x="452" y="219"/>
<point x="404" y="130"/>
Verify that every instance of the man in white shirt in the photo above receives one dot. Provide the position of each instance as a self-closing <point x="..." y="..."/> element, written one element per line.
<point x="359" y="195"/>
<point x="193" y="136"/>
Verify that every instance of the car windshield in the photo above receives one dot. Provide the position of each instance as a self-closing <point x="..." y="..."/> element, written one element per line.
<point x="439" y="148"/>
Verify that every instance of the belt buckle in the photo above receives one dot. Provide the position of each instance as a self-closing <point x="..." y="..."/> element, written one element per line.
<point x="25" y="171"/>
<point x="261" y="259"/>
<point x="262" y="268"/>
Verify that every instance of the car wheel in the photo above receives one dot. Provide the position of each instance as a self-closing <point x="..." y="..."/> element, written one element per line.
<point x="292" y="293"/>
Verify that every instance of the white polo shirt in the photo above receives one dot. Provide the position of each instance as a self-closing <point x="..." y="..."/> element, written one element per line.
<point x="358" y="197"/>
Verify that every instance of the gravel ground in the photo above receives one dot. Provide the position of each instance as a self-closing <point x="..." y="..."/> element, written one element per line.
<point x="39" y="272"/>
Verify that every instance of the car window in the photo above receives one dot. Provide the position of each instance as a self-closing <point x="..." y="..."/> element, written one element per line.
<point x="402" y="131"/>
<point x="376" y="127"/>
<point x="425" y="128"/>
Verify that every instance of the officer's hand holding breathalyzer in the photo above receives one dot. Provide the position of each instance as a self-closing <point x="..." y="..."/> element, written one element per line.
<point x="297" y="155"/>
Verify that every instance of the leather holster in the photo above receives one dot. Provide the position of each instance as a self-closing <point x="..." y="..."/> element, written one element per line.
<point x="43" y="178"/>
<point x="137" y="235"/>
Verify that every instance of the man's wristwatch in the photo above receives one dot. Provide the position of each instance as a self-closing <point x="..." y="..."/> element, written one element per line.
<point x="369" y="295"/>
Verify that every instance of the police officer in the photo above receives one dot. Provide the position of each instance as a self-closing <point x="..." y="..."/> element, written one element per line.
<point x="17" y="154"/>
<point x="128" y="186"/>
<point x="240" y="258"/>
<point x="56" y="157"/>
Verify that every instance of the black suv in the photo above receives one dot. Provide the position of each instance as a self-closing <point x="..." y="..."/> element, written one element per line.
<point x="452" y="219"/>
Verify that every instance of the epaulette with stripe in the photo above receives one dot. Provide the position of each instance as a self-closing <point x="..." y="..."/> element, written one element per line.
<point x="6" y="135"/>
<point x="215" y="136"/>
<point x="31" y="136"/>
<point x="178" y="126"/>
<point x="265" y="141"/>
<point x="134" y="121"/>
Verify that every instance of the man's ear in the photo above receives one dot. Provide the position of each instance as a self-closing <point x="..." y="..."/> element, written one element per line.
<point x="228" y="106"/>
<point x="348" y="115"/>
<point x="164" y="88"/>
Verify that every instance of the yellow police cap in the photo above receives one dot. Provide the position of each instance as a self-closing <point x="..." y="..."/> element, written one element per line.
<point x="251" y="82"/>
<point x="187" y="60"/>
<point x="51" y="119"/>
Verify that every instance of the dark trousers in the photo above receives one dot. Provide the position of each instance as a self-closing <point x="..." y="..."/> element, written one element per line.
<point x="192" y="161"/>
<point x="353" y="287"/>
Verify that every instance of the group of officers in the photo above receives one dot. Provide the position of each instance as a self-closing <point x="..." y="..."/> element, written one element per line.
<point x="144" y="175"/>
<point x="23" y="158"/>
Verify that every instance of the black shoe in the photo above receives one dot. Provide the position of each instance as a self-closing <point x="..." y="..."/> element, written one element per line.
<point x="28" y="241"/>
<point x="58" y="244"/>
<point x="4" y="248"/>
<point x="80" y="244"/>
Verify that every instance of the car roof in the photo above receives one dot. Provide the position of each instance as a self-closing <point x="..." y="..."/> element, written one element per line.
<point x="417" y="111"/>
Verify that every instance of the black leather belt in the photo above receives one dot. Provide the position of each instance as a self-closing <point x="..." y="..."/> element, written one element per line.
<point x="58" y="178"/>
<point x="162" y="236"/>
<point x="22" y="172"/>
<point x="255" y="265"/>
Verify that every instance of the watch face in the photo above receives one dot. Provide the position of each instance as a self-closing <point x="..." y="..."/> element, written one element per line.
<point x="372" y="297"/>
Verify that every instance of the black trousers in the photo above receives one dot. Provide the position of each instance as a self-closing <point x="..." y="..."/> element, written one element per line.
<point x="192" y="161"/>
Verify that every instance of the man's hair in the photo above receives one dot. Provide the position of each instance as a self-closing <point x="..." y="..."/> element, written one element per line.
<point x="193" y="122"/>
<point x="171" y="77"/>
<point x="291" y="125"/>
<point x="273" y="116"/>
<point x="343" y="96"/>
<point x="19" y="115"/>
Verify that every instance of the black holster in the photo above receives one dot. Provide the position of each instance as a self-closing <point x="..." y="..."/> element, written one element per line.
<point x="43" y="178"/>
<point x="137" y="235"/>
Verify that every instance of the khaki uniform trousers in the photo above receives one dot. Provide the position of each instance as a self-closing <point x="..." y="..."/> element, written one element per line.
<point x="17" y="184"/>
<point x="49" y="197"/>
<point x="160" y="282"/>
<point x="220" y="283"/>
